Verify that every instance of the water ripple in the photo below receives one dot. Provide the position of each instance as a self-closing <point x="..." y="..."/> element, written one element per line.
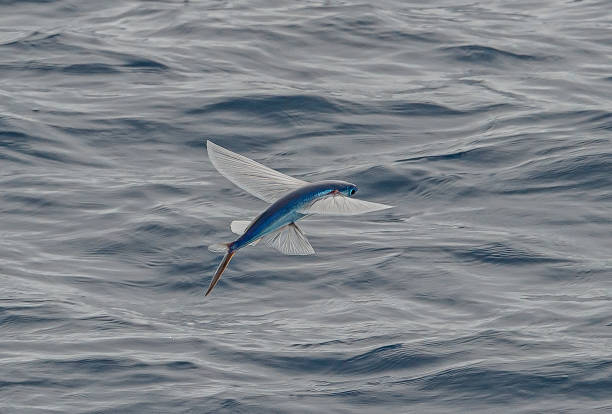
<point x="487" y="127"/>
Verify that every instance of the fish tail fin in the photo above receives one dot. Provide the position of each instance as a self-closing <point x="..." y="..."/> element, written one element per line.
<point x="229" y="253"/>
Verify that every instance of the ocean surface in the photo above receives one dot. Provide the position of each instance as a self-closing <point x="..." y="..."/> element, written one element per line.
<point x="488" y="125"/>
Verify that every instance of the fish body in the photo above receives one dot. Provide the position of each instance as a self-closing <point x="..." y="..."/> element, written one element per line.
<point x="286" y="210"/>
<point x="291" y="200"/>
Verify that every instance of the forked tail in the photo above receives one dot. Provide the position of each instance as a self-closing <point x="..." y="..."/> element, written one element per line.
<point x="229" y="253"/>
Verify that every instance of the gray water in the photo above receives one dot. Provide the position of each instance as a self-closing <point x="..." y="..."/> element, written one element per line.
<point x="487" y="288"/>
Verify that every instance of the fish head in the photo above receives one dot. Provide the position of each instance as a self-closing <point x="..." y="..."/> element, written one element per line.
<point x="351" y="190"/>
<point x="344" y="188"/>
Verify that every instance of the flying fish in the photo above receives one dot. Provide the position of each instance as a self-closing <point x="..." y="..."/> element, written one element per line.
<point x="290" y="200"/>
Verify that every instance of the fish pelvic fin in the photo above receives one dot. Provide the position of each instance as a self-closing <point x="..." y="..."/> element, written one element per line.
<point x="219" y="248"/>
<point x="221" y="268"/>
<point x="289" y="240"/>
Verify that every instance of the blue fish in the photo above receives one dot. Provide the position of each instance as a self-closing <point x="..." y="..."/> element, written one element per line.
<point x="291" y="200"/>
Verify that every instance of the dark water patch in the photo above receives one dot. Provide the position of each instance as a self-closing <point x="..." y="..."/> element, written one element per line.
<point x="602" y="120"/>
<point x="100" y="365"/>
<point x="90" y="69"/>
<point x="372" y="28"/>
<point x="166" y="189"/>
<point x="394" y="396"/>
<point x="148" y="378"/>
<point x="19" y="140"/>
<point x="95" y="365"/>
<point x="152" y="192"/>
<point x="32" y="202"/>
<point x="297" y="364"/>
<point x="37" y="147"/>
<point x="341" y="128"/>
<point x="406" y="182"/>
<point x="102" y="247"/>
<point x="511" y="341"/>
<point x="569" y="273"/>
<point x="366" y="280"/>
<point x="125" y="249"/>
<point x="12" y="2"/>
<point x="419" y="109"/>
<point x="29" y="68"/>
<point x="128" y="130"/>
<point x="404" y="36"/>
<point x="495" y="385"/>
<point x="147" y="65"/>
<point x="10" y="158"/>
<point x="141" y="125"/>
<point x="449" y="302"/>
<point x="587" y="167"/>
<point x="595" y="389"/>
<point x="75" y="44"/>
<point x="428" y="109"/>
<point x="485" y="54"/>
<point x="506" y="254"/>
<point x="43" y="383"/>
<point x="158" y="229"/>
<point x="572" y="174"/>
<point x="570" y="190"/>
<point x="81" y="69"/>
<point x="568" y="298"/>
<point x="445" y="186"/>
<point x="240" y="277"/>
<point x="37" y="40"/>
<point x="386" y="358"/>
<point x="383" y="179"/>
<point x="321" y="344"/>
<point x="362" y="341"/>
<point x="564" y="147"/>
<point x="181" y="365"/>
<point x="501" y="385"/>
<point x="270" y="104"/>
<point x="555" y="119"/>
<point x="11" y="320"/>
<point x="482" y="155"/>
<point x="107" y="322"/>
<point x="49" y="204"/>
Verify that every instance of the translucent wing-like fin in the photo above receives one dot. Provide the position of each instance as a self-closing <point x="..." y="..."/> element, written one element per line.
<point x="289" y="240"/>
<point x="239" y="226"/>
<point x="254" y="178"/>
<point x="342" y="206"/>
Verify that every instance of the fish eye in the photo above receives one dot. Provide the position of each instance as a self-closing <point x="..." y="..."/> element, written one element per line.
<point x="352" y="191"/>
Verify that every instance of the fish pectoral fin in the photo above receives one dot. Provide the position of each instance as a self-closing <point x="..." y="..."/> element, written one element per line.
<point x="289" y="240"/>
<point x="239" y="226"/>
<point x="254" y="178"/>
<point x="340" y="205"/>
